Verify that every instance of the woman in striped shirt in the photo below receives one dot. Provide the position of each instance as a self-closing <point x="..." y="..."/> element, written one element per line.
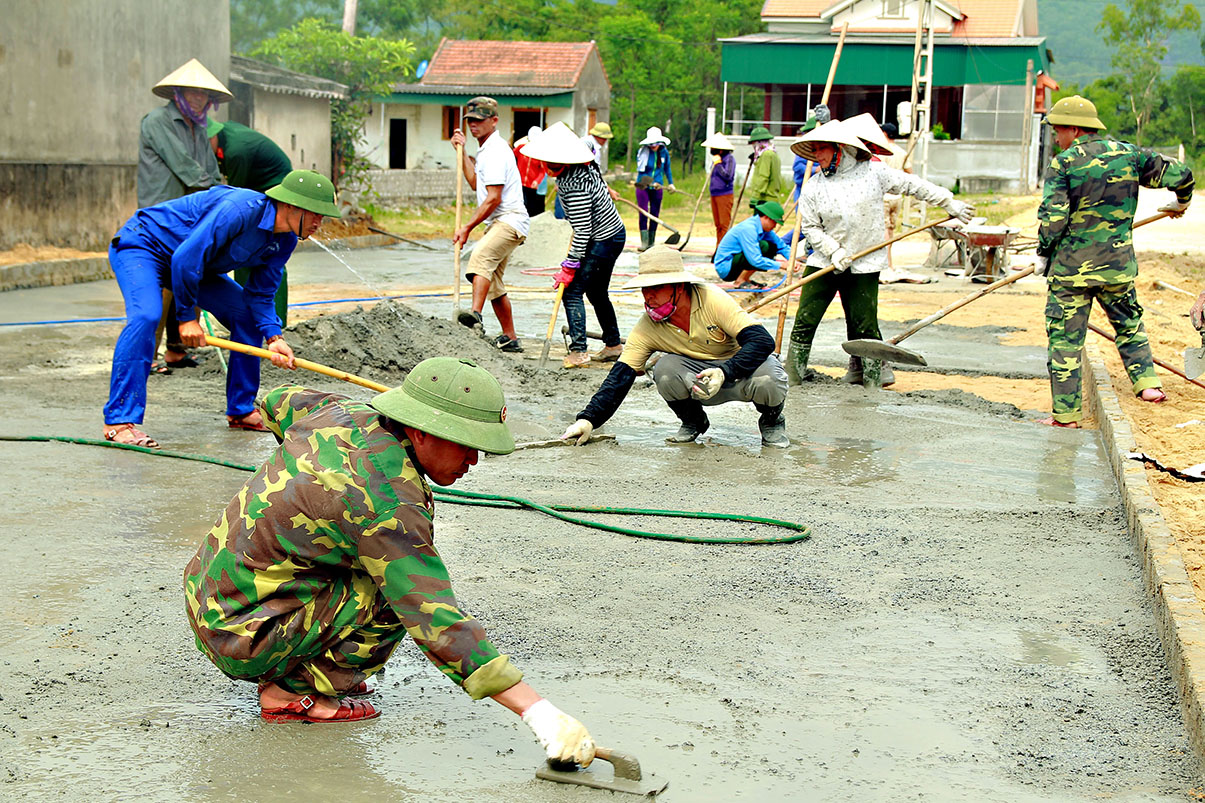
<point x="598" y="239"/>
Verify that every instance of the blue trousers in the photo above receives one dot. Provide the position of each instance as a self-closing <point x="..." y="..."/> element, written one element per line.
<point x="142" y="274"/>
<point x="593" y="280"/>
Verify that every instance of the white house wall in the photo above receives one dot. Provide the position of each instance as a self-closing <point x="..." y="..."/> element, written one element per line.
<point x="301" y="126"/>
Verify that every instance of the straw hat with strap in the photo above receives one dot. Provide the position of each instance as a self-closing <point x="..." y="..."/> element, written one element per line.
<point x="661" y="265"/>
<point x="192" y="75"/>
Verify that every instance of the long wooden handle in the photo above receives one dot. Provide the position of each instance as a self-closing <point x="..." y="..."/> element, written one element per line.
<point x="456" y="257"/>
<point x="832" y="69"/>
<point x="790" y="288"/>
<point x="556" y="307"/>
<point x="962" y="302"/>
<point x="317" y="368"/>
<point x="699" y="200"/>
<point x="1156" y="360"/>
<point x="649" y="215"/>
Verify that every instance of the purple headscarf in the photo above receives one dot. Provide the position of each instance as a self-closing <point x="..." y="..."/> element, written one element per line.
<point x="186" y="109"/>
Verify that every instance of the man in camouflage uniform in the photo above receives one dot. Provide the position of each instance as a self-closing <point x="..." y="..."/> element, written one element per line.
<point x="324" y="560"/>
<point x="1086" y="250"/>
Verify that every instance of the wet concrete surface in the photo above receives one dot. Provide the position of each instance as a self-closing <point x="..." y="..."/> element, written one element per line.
<point x="966" y="622"/>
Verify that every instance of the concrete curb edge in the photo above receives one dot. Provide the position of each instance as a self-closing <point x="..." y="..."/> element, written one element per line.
<point x="55" y="272"/>
<point x="1178" y="614"/>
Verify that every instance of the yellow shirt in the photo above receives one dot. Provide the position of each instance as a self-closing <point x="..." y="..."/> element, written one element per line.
<point x="715" y="321"/>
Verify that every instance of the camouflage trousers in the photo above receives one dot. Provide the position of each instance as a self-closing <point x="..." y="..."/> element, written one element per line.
<point x="333" y="641"/>
<point x="1067" y="311"/>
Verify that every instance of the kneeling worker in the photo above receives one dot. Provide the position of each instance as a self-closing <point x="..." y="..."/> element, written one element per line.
<point x="324" y="560"/>
<point x="751" y="245"/>
<point x="713" y="353"/>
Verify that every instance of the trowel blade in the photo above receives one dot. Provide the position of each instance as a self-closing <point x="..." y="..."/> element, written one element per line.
<point x="1194" y="360"/>
<point x="882" y="350"/>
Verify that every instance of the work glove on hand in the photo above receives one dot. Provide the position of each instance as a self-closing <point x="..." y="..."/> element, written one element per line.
<point x="565" y="274"/>
<point x="563" y="738"/>
<point x="1040" y="265"/>
<point x="581" y="429"/>
<point x="962" y="211"/>
<point x="715" y="160"/>
<point x="1197" y="313"/>
<point x="656" y="185"/>
<point x="1176" y="208"/>
<point x="839" y="260"/>
<point x="707" y="383"/>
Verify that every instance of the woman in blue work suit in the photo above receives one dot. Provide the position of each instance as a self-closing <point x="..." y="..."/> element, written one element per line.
<point x="652" y="173"/>
<point x="189" y="245"/>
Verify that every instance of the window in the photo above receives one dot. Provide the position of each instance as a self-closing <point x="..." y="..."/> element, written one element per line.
<point x="893" y="8"/>
<point x="993" y="112"/>
<point x="593" y="118"/>
<point x="451" y="120"/>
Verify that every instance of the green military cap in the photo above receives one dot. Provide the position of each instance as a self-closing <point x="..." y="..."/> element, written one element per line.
<point x="213" y="127"/>
<point x="1077" y="111"/>
<point x="307" y="190"/>
<point x="771" y="209"/>
<point x="481" y="108"/>
<point x="760" y="134"/>
<point x="451" y="399"/>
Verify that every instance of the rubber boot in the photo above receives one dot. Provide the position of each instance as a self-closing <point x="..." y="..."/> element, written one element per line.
<point x="853" y="374"/>
<point x="694" y="420"/>
<point x="646" y="242"/>
<point x="797" y="362"/>
<point x="773" y="425"/>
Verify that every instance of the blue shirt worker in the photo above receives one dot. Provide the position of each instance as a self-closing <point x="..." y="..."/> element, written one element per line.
<point x="189" y="245"/>
<point x="751" y="246"/>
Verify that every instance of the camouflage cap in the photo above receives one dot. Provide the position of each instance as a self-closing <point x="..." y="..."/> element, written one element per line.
<point x="1075" y="110"/>
<point x="481" y="108"/>
<point x="451" y="399"/>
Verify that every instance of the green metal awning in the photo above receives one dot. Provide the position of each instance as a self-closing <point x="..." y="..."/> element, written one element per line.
<point x="781" y="59"/>
<point x="562" y="100"/>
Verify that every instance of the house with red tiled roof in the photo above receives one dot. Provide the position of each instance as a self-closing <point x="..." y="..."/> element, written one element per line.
<point x="985" y="55"/>
<point x="535" y="83"/>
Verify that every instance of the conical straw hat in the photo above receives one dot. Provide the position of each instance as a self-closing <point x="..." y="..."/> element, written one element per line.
<point x="833" y="132"/>
<point x="559" y="145"/>
<point x="192" y="75"/>
<point x="867" y="130"/>
<point x="718" y="141"/>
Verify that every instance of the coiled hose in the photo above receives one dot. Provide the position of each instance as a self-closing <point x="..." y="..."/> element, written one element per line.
<point x="798" y="532"/>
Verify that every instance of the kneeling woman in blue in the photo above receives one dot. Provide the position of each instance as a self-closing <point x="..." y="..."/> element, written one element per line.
<point x="187" y="246"/>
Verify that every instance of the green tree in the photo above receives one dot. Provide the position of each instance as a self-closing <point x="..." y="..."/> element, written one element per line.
<point x="1139" y="38"/>
<point x="368" y="65"/>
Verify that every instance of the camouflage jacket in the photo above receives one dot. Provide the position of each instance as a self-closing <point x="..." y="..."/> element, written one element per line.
<point x="340" y="499"/>
<point x="1088" y="203"/>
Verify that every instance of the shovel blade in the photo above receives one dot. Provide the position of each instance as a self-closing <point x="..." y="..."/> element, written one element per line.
<point x="544" y="353"/>
<point x="882" y="350"/>
<point x="1194" y="362"/>
<point x="673" y="239"/>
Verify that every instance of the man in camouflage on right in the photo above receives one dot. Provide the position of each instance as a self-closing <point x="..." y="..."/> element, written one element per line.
<point x="1086" y="250"/>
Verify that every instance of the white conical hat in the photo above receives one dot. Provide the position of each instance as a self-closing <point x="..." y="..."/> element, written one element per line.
<point x="192" y="75"/>
<point x="718" y="141"/>
<point x="867" y="129"/>
<point x="559" y="145"/>
<point x="833" y="132"/>
<point x="654" y="135"/>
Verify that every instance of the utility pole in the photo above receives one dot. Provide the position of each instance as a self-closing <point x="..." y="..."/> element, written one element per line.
<point x="349" y="17"/>
<point x="1027" y="128"/>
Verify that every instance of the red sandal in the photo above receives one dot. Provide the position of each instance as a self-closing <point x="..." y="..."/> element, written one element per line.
<point x="247" y="423"/>
<point x="130" y="435"/>
<point x="361" y="689"/>
<point x="298" y="711"/>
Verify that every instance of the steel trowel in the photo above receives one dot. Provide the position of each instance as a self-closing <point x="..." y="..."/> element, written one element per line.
<point x="627" y="775"/>
<point x="1194" y="360"/>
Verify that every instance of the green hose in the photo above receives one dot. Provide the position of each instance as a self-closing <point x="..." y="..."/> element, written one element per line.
<point x="799" y="532"/>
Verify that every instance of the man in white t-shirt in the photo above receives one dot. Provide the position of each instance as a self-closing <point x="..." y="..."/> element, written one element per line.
<point x="494" y="174"/>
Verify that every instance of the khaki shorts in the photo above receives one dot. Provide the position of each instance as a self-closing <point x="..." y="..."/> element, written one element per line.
<point x="490" y="256"/>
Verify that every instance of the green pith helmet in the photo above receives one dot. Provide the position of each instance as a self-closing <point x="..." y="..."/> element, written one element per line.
<point x="454" y="400"/>
<point x="1077" y="111"/>
<point x="760" y="134"/>
<point x="213" y="127"/>
<point x="811" y="123"/>
<point x="771" y="209"/>
<point x="307" y="190"/>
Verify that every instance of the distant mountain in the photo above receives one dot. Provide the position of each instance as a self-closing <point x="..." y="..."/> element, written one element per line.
<point x="1080" y="54"/>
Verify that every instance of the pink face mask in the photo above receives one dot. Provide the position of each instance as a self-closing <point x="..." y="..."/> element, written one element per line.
<point x="659" y="314"/>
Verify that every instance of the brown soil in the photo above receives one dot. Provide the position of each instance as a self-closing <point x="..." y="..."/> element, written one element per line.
<point x="23" y="253"/>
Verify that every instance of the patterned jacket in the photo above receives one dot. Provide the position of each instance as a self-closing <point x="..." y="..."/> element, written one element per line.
<point x="1088" y="203"/>
<point x="340" y="504"/>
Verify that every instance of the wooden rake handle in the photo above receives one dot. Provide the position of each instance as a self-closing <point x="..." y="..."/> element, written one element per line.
<point x="317" y="368"/>
<point x="648" y="215"/>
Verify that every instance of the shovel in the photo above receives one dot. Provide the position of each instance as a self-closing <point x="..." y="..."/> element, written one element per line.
<point x="699" y="200"/>
<point x="556" y="306"/>
<point x="318" y="368"/>
<point x="626" y="778"/>
<point x="1194" y="360"/>
<point x="670" y="240"/>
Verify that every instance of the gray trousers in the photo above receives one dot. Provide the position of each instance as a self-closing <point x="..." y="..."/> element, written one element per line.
<point x="675" y="374"/>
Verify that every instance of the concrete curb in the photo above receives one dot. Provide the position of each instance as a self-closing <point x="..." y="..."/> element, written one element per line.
<point x="92" y="269"/>
<point x="1178" y="614"/>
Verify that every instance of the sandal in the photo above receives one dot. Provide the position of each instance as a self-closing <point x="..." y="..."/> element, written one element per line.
<point x="247" y="422"/>
<point x="361" y="689"/>
<point x="187" y="362"/>
<point x="160" y="368"/>
<point x="130" y="435"/>
<point x="297" y="711"/>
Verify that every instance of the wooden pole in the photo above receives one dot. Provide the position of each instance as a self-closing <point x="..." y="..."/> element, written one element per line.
<point x="318" y="368"/>
<point x="1156" y="360"/>
<point x="456" y="257"/>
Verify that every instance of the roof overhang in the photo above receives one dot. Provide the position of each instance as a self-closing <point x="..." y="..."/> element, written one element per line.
<point x="774" y="58"/>
<point x="271" y="78"/>
<point x="454" y="95"/>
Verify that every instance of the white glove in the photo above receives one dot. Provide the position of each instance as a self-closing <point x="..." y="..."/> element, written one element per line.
<point x="563" y="738"/>
<point x="962" y="211"/>
<point x="707" y="383"/>
<point x="1040" y="265"/>
<point x="839" y="260"/>
<point x="580" y="429"/>
<point x="1176" y="207"/>
<point x="1197" y="313"/>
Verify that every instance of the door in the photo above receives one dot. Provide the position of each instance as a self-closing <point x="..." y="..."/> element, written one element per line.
<point x="397" y="144"/>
